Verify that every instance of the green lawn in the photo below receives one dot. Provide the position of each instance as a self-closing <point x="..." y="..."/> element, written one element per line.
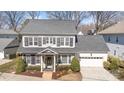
<point x="8" y="67"/>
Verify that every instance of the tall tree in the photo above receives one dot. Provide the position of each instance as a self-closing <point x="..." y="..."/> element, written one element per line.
<point x="77" y="16"/>
<point x="33" y="14"/>
<point x="15" y="19"/>
<point x="103" y="19"/>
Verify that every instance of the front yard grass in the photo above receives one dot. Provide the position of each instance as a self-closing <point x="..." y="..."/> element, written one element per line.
<point x="8" y="67"/>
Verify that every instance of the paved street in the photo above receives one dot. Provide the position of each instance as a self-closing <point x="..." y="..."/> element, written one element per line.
<point x="96" y="74"/>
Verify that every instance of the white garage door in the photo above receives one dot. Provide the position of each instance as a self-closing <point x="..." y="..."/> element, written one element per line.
<point x="92" y="60"/>
<point x="1" y="55"/>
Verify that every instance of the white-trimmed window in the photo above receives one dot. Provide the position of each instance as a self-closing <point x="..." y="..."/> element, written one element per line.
<point x="71" y="42"/>
<point x="58" y="41"/>
<point x="37" y="59"/>
<point x="35" y="41"/>
<point x="28" y="59"/>
<point x="67" y="41"/>
<point x="26" y="41"/>
<point x="62" y="41"/>
<point x="30" y="41"/>
<point x="64" y="59"/>
<point x="39" y="41"/>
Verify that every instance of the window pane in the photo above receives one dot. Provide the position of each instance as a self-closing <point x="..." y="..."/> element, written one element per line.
<point x="38" y="59"/>
<point x="47" y="40"/>
<point x="28" y="59"/>
<point x="44" y="40"/>
<point x="30" y="41"/>
<point x="62" y="41"/>
<point x="54" y="40"/>
<point x="58" y="41"/>
<point x="26" y="41"/>
<point x="39" y="41"/>
<point x="71" y="41"/>
<point x="35" y="41"/>
<point x="51" y="41"/>
<point x="67" y="41"/>
<point x="64" y="59"/>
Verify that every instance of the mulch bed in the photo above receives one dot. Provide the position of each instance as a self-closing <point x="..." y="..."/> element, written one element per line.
<point x="32" y="73"/>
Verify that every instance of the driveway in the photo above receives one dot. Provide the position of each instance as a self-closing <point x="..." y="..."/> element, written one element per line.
<point x="14" y="77"/>
<point x="96" y="74"/>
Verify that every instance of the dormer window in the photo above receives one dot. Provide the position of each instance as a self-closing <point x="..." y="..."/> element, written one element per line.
<point x="49" y="41"/>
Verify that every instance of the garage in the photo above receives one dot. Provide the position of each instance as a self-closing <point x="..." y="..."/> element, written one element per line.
<point x="92" y="59"/>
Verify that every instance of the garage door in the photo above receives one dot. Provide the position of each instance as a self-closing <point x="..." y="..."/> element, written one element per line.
<point x="1" y="55"/>
<point x="94" y="60"/>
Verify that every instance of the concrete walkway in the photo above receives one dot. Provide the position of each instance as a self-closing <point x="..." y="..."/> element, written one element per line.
<point x="96" y="74"/>
<point x="14" y="77"/>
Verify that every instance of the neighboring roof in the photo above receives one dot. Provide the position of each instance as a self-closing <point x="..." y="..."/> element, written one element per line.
<point x="10" y="32"/>
<point x="4" y="42"/>
<point x="49" y="26"/>
<point x="85" y="44"/>
<point x="12" y="47"/>
<point x="114" y="29"/>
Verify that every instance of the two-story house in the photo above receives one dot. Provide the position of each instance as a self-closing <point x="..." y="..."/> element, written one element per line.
<point x="114" y="37"/>
<point x="51" y="42"/>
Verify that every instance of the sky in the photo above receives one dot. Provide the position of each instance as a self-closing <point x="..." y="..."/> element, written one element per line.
<point x="45" y="16"/>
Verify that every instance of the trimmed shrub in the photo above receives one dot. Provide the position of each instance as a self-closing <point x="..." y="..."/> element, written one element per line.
<point x="106" y="65"/>
<point x="62" y="67"/>
<point x="34" y="68"/>
<point x="20" y="65"/>
<point x="114" y="63"/>
<point x="75" y="66"/>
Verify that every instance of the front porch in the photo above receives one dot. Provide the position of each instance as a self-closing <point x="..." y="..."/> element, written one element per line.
<point x="48" y="59"/>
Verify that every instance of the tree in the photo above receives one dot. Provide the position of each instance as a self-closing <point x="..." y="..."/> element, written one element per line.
<point x="104" y="19"/>
<point x="33" y="14"/>
<point x="15" y="19"/>
<point x="77" y="16"/>
<point x="3" y="21"/>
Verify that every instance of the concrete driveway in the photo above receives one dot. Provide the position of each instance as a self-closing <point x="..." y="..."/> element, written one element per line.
<point x="14" y="77"/>
<point x="96" y="74"/>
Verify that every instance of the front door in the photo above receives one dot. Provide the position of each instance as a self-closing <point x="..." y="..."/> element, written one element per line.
<point x="48" y="62"/>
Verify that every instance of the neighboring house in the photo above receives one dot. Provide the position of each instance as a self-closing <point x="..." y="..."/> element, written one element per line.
<point x="6" y="37"/>
<point x="7" y="33"/>
<point x="114" y="37"/>
<point x="51" y="42"/>
<point x="3" y="43"/>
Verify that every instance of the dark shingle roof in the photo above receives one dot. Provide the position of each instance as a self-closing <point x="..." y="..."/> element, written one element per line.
<point x="47" y="26"/>
<point x="85" y="44"/>
<point x="4" y="42"/>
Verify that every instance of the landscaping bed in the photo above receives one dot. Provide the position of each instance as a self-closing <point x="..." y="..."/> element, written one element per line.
<point x="32" y="73"/>
<point x="71" y="77"/>
<point x="115" y="66"/>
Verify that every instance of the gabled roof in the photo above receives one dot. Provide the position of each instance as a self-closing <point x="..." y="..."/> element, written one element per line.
<point x="8" y="32"/>
<point x="50" y="27"/>
<point x="4" y="42"/>
<point x="114" y="29"/>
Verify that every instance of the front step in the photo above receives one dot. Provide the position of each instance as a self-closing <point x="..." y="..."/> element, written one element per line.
<point x="47" y="75"/>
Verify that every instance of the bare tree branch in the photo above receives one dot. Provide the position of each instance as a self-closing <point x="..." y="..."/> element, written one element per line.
<point x="33" y="14"/>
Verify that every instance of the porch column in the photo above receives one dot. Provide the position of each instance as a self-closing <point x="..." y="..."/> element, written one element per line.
<point x="41" y="63"/>
<point x="54" y="60"/>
